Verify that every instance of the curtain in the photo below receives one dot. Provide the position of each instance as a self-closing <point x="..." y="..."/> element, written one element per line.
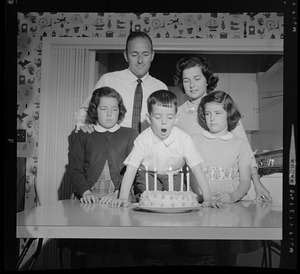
<point x="65" y="86"/>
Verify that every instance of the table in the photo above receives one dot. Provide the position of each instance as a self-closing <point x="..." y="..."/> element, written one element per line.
<point x="72" y="219"/>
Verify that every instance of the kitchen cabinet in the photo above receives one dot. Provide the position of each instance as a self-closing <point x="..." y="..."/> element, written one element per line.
<point x="238" y="78"/>
<point x="270" y="108"/>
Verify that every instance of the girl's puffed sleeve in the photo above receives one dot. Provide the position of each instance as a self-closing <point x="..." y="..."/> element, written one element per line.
<point x="239" y="131"/>
<point x="245" y="155"/>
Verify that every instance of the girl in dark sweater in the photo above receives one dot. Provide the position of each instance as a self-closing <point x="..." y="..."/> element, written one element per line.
<point x="96" y="170"/>
<point x="96" y="159"/>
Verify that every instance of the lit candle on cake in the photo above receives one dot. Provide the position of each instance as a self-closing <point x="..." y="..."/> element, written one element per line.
<point x="171" y="183"/>
<point x="147" y="179"/>
<point x="187" y="179"/>
<point x="155" y="180"/>
<point x="181" y="180"/>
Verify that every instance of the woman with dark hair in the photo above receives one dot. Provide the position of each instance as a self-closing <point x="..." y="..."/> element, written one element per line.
<point x="194" y="76"/>
<point x="96" y="159"/>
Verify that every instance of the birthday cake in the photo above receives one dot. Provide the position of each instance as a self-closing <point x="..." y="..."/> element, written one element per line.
<point x="168" y="199"/>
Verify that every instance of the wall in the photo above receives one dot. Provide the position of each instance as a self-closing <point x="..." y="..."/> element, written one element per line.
<point x="270" y="103"/>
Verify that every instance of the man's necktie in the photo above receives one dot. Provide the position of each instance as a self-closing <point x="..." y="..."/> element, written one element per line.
<point x="137" y="106"/>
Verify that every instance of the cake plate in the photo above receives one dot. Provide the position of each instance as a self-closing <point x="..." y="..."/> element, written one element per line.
<point x="169" y="210"/>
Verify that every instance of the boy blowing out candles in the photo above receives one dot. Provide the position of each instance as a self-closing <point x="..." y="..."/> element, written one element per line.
<point x="162" y="148"/>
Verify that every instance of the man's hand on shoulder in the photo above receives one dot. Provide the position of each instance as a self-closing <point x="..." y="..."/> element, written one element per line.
<point x="89" y="128"/>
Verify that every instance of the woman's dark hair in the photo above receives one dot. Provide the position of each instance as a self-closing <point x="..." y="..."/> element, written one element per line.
<point x="138" y="34"/>
<point x="193" y="61"/>
<point x="92" y="114"/>
<point x="162" y="97"/>
<point x="233" y="113"/>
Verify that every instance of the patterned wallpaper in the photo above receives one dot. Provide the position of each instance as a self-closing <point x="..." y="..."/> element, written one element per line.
<point x="33" y="26"/>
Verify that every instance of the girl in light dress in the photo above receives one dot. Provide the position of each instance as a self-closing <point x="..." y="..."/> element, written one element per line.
<point x="195" y="77"/>
<point x="227" y="158"/>
<point x="227" y="166"/>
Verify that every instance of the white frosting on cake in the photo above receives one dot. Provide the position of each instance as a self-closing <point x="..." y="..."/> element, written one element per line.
<point x="168" y="199"/>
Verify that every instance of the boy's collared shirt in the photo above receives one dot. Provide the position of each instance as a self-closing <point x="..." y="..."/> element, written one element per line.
<point x="152" y="152"/>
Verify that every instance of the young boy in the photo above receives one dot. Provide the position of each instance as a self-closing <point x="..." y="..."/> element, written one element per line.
<point x="160" y="147"/>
